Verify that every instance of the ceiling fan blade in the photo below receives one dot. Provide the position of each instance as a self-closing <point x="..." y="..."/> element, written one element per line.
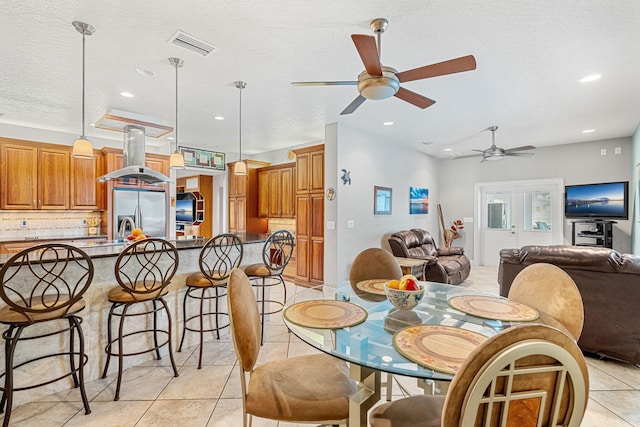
<point x="526" y="147"/>
<point x="518" y="154"/>
<point x="338" y="83"/>
<point x="414" y="98"/>
<point x="368" y="52"/>
<point x="354" y="104"/>
<point x="457" y="65"/>
<point x="467" y="156"/>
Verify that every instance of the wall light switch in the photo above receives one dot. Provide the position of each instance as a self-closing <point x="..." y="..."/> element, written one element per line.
<point x="603" y="152"/>
<point x="468" y="219"/>
<point x="23" y="223"/>
<point x="351" y="223"/>
<point x="331" y="225"/>
<point x="618" y="150"/>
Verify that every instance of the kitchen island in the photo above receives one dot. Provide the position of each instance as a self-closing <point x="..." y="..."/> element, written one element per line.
<point x="103" y="254"/>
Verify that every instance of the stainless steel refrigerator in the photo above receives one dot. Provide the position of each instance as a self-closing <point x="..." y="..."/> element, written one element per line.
<point x="145" y="209"/>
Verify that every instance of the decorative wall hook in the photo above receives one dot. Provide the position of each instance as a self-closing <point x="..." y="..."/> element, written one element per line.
<point x="346" y="177"/>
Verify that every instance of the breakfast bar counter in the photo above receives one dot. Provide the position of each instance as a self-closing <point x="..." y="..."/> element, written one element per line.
<point x="103" y="254"/>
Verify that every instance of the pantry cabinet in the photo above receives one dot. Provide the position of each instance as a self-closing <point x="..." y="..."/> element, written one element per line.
<point x="243" y="199"/>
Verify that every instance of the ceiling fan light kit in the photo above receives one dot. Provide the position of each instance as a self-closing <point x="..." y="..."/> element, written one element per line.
<point x="378" y="82"/>
<point x="82" y="147"/>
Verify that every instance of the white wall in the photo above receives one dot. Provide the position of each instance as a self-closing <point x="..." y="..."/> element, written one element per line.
<point x="577" y="163"/>
<point x="374" y="161"/>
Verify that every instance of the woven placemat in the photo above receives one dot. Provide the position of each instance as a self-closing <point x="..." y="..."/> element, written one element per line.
<point x="325" y="314"/>
<point x="441" y="348"/>
<point x="494" y="308"/>
<point x="372" y="286"/>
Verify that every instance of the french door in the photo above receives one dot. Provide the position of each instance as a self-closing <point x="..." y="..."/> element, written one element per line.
<point x="513" y="214"/>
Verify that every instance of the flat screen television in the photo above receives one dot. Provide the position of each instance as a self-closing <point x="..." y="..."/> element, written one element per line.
<point x="607" y="200"/>
<point x="185" y="210"/>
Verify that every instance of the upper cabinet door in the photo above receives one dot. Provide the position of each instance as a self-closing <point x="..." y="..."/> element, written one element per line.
<point x="19" y="171"/>
<point x="53" y="178"/>
<point x="85" y="190"/>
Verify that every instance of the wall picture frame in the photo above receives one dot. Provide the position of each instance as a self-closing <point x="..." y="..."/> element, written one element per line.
<point x="382" y="200"/>
<point x="198" y="158"/>
<point x="418" y="200"/>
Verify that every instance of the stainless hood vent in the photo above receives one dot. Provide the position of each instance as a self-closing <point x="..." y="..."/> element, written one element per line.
<point x="134" y="160"/>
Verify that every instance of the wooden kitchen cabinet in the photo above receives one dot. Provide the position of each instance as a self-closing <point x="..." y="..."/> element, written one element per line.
<point x="34" y="175"/>
<point x="243" y="200"/>
<point x="309" y="216"/>
<point x="276" y="191"/>
<point x="86" y="192"/>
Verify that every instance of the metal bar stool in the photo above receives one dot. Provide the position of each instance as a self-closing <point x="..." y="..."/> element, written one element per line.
<point x="276" y="254"/>
<point x="44" y="283"/>
<point x="144" y="271"/>
<point x="218" y="257"/>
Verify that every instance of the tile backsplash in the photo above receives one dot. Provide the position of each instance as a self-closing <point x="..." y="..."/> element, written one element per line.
<point x="18" y="225"/>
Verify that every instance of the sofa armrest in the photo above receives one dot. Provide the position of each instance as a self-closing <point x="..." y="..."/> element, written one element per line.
<point x="450" y="251"/>
<point x="510" y="256"/>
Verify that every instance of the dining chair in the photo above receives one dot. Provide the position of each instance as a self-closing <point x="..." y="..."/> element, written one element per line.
<point x="528" y="375"/>
<point x="312" y="388"/>
<point x="218" y="257"/>
<point x="276" y="254"/>
<point x="552" y="291"/>
<point x="369" y="264"/>
<point x="374" y="263"/>
<point x="44" y="284"/>
<point x="143" y="271"/>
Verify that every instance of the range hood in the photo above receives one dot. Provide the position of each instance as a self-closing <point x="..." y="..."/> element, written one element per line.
<point x="134" y="160"/>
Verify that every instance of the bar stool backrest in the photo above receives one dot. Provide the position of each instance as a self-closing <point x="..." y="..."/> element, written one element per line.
<point x="146" y="267"/>
<point x="277" y="251"/>
<point x="220" y="255"/>
<point x="44" y="279"/>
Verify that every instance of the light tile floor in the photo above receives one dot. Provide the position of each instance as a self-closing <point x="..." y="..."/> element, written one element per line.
<point x="151" y="396"/>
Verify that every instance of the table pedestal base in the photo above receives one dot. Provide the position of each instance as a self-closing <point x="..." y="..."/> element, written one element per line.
<point x="369" y="381"/>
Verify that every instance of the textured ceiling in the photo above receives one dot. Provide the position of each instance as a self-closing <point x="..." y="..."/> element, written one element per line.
<point x="530" y="55"/>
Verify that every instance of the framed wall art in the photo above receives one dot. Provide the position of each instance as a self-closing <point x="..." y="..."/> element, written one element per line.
<point x="418" y="200"/>
<point x="198" y="158"/>
<point x="381" y="200"/>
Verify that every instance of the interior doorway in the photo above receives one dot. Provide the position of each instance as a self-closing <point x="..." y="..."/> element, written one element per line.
<point x="512" y="214"/>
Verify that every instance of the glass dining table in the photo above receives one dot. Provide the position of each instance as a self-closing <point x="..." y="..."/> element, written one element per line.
<point x="369" y="345"/>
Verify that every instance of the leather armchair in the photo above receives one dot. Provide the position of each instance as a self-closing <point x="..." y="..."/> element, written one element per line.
<point x="444" y="265"/>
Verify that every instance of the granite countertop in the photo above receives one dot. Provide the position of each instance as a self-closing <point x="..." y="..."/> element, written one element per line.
<point x="100" y="248"/>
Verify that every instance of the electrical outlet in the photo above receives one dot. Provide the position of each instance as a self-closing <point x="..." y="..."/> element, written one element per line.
<point x="23" y="223"/>
<point x="84" y="221"/>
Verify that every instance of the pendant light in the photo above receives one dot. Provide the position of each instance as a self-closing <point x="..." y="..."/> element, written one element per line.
<point x="176" y="161"/>
<point x="82" y="147"/>
<point x="240" y="168"/>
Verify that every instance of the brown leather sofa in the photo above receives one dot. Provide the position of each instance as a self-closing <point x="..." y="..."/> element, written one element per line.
<point x="609" y="283"/>
<point x="445" y="265"/>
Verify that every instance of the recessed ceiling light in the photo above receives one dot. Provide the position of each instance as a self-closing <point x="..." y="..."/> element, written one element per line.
<point x="447" y="149"/>
<point x="170" y="138"/>
<point x="218" y="118"/>
<point x="427" y="142"/>
<point x="588" y="130"/>
<point x="590" y="78"/>
<point x="387" y="123"/>
<point x="145" y="73"/>
<point x="126" y="94"/>
<point x="92" y="125"/>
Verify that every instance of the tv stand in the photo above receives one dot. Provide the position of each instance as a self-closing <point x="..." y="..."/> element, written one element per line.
<point x="592" y="232"/>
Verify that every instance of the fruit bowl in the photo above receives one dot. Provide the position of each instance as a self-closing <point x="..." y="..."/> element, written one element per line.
<point x="404" y="299"/>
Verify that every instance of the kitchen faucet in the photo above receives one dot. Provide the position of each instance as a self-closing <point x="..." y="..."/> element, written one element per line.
<point x="123" y="225"/>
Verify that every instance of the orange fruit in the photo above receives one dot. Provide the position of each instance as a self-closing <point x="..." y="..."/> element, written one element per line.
<point x="140" y="237"/>
<point x="393" y="284"/>
<point x="136" y="231"/>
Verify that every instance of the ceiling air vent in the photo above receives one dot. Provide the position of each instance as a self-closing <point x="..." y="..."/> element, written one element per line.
<point x="191" y="43"/>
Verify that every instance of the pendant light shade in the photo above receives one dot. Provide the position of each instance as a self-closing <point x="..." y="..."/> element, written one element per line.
<point x="82" y="147"/>
<point x="240" y="168"/>
<point x="176" y="161"/>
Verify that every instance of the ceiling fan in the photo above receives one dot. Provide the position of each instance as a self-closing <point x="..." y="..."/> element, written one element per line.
<point x="381" y="82"/>
<point x="496" y="153"/>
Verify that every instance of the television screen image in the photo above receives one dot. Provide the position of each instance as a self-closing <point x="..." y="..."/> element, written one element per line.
<point x="184" y="210"/>
<point x="604" y="200"/>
